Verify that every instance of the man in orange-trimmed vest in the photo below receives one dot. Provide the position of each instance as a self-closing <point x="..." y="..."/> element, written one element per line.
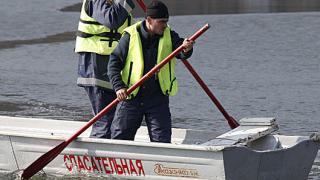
<point x="100" y="27"/>
<point x="142" y="46"/>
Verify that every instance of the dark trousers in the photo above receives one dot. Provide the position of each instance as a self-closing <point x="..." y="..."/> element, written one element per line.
<point x="129" y="115"/>
<point x="99" y="99"/>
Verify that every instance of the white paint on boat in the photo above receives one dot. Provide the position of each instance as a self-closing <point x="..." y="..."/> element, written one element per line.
<point x="192" y="154"/>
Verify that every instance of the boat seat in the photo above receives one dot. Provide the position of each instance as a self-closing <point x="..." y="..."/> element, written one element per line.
<point x="268" y="142"/>
<point x="179" y="136"/>
<point x="249" y="130"/>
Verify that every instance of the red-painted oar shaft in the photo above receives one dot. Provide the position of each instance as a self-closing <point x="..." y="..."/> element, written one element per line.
<point x="142" y="5"/>
<point x="231" y="121"/>
<point x="45" y="159"/>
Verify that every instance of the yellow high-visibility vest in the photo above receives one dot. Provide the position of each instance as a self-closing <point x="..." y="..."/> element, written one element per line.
<point x="95" y="37"/>
<point x="134" y="65"/>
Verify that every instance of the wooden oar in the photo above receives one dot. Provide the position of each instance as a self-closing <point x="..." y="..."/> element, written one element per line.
<point x="45" y="159"/>
<point x="231" y="121"/>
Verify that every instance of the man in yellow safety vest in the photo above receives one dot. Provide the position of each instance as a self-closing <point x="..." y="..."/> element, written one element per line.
<point x="142" y="46"/>
<point x="100" y="27"/>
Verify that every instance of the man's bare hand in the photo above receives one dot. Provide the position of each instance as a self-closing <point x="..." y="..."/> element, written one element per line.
<point x="187" y="45"/>
<point x="122" y="94"/>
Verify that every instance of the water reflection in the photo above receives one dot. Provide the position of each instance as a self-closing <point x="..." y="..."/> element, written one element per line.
<point x="60" y="37"/>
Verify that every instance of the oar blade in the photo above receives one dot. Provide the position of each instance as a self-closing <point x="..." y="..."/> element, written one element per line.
<point x="42" y="161"/>
<point x="232" y="122"/>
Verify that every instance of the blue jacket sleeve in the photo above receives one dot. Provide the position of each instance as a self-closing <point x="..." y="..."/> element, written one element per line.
<point x="110" y="15"/>
<point x="117" y="61"/>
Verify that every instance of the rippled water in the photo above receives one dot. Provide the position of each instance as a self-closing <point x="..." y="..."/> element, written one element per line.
<point x="257" y="65"/>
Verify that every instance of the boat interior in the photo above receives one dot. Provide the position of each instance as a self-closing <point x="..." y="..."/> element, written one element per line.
<point x="256" y="133"/>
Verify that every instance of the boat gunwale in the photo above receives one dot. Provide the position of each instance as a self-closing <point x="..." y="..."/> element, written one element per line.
<point x="197" y="147"/>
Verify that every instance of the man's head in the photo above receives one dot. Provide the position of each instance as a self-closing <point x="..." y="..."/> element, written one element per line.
<point x="157" y="16"/>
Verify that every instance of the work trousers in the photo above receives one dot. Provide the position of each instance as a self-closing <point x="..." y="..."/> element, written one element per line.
<point x="99" y="99"/>
<point x="129" y="115"/>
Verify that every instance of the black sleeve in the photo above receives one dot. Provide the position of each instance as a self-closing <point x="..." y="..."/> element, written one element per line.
<point x="176" y="42"/>
<point x="117" y="61"/>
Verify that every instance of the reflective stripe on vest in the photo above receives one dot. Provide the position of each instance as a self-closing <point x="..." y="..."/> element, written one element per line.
<point x="95" y="37"/>
<point x="133" y="69"/>
<point x="93" y="82"/>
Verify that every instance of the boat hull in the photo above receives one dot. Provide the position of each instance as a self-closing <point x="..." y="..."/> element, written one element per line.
<point x="248" y="153"/>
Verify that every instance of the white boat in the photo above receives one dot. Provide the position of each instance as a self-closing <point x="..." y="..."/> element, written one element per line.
<point x="250" y="152"/>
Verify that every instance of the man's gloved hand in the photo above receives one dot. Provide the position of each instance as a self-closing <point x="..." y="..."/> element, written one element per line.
<point x="127" y="4"/>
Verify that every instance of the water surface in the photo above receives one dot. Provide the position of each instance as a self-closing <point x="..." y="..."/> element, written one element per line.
<point x="257" y="64"/>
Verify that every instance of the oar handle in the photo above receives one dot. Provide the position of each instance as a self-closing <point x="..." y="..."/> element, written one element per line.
<point x="137" y="84"/>
<point x="195" y="36"/>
